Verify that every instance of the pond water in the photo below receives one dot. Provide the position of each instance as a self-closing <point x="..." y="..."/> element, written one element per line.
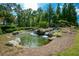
<point x="32" y="41"/>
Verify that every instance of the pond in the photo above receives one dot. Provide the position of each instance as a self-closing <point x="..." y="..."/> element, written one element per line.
<point x="32" y="41"/>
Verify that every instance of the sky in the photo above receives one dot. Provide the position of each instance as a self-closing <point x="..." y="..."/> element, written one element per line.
<point x="35" y="6"/>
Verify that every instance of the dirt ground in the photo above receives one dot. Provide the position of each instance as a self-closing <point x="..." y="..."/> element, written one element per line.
<point x="56" y="45"/>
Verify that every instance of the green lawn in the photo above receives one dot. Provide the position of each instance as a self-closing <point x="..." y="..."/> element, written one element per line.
<point x="74" y="50"/>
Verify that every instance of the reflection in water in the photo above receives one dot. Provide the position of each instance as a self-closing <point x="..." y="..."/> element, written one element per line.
<point x="29" y="39"/>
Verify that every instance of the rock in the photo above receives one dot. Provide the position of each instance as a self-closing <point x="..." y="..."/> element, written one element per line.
<point x="33" y="34"/>
<point x="66" y="30"/>
<point x="15" y="42"/>
<point x="15" y="33"/>
<point x="44" y="36"/>
<point x="48" y="29"/>
<point x="40" y="32"/>
<point x="48" y="34"/>
<point x="18" y="40"/>
<point x="50" y="39"/>
<point x="12" y="43"/>
<point x="19" y="46"/>
<point x="57" y="34"/>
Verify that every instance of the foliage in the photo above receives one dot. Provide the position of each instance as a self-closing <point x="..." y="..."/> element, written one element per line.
<point x="50" y="13"/>
<point x="7" y="17"/>
<point x="65" y="16"/>
<point x="33" y="18"/>
<point x="64" y="11"/>
<point x="8" y="28"/>
<point x="1" y="31"/>
<point x="43" y="24"/>
<point x="63" y="23"/>
<point x="71" y="14"/>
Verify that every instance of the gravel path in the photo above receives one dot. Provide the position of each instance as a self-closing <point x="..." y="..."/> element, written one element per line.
<point x="56" y="45"/>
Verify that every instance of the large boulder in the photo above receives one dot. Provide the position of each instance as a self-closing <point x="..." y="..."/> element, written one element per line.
<point x="15" y="42"/>
<point x="40" y="32"/>
<point x="48" y="34"/>
<point x="12" y="43"/>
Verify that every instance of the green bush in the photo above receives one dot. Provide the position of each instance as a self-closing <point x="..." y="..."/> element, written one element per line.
<point x="43" y="24"/>
<point x="20" y="28"/>
<point x="8" y="28"/>
<point x="1" y="31"/>
<point x="63" y="23"/>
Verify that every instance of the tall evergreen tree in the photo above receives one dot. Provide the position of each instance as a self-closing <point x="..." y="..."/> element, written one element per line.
<point x="72" y="15"/>
<point x="64" y="11"/>
<point x="58" y="9"/>
<point x="58" y="14"/>
<point x="50" y="14"/>
<point x="40" y="14"/>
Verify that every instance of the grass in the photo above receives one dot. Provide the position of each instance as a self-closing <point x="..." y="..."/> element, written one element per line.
<point x="74" y="50"/>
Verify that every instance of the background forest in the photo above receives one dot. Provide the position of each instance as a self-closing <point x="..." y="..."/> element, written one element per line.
<point x="24" y="19"/>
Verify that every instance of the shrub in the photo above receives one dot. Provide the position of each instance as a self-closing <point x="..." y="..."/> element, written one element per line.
<point x="1" y="31"/>
<point x="8" y="28"/>
<point x="63" y="23"/>
<point x="43" y="24"/>
<point x="24" y="28"/>
<point x="19" y="28"/>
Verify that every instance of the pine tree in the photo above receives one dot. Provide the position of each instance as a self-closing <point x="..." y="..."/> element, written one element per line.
<point x="40" y="14"/>
<point x="72" y="15"/>
<point x="58" y="9"/>
<point x="58" y="14"/>
<point x="64" y="11"/>
<point x="50" y="14"/>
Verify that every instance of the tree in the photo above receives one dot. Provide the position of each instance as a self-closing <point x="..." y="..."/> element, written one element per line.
<point x="29" y="16"/>
<point x="5" y="12"/>
<point x="40" y="15"/>
<point x="22" y="19"/>
<point x="58" y="10"/>
<point x="8" y="6"/>
<point x="18" y="8"/>
<point x="64" y="12"/>
<point x="58" y="15"/>
<point x="34" y="16"/>
<point x="72" y="15"/>
<point x="8" y="18"/>
<point x="50" y="14"/>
